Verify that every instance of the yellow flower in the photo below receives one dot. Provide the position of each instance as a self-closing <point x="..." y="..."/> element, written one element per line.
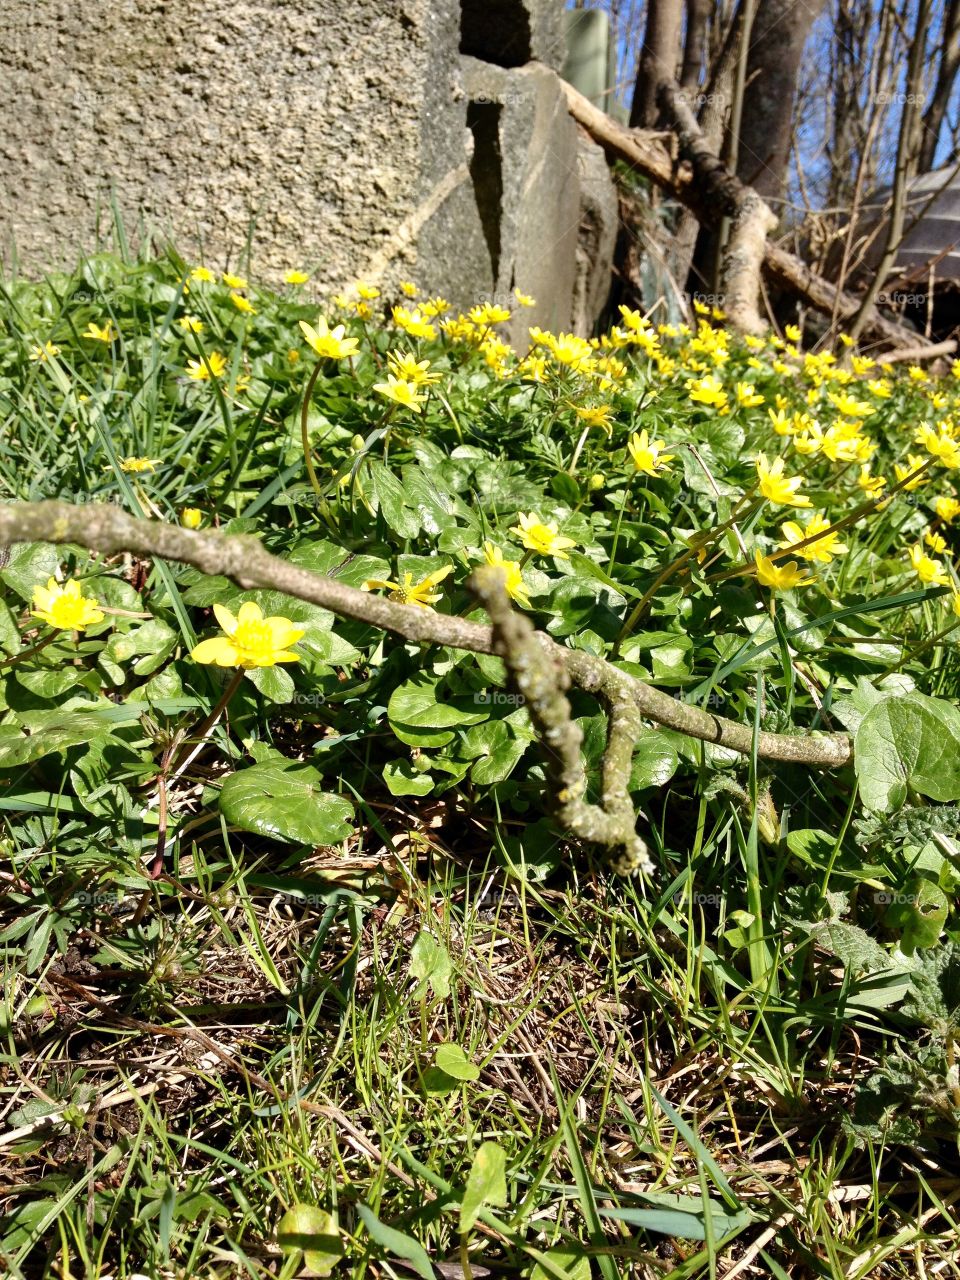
<point x="568" y="349"/>
<point x="514" y="578"/>
<point x="778" y="488"/>
<point x="947" y="509"/>
<point x="826" y="546"/>
<point x="249" y="640"/>
<point x="40" y="354"/>
<point x="190" y="324"/>
<point x="243" y="304"/>
<point x="914" y="462"/>
<point x="524" y="299"/>
<point x="408" y="288"/>
<point x="917" y="374"/>
<point x="935" y="541"/>
<point x="488" y="313"/>
<point x="846" y="339"/>
<point x="709" y="390"/>
<point x="413" y="322"/>
<point x="202" y="275"/>
<point x="106" y="334"/>
<point x="211" y="366"/>
<point x="410" y="369"/>
<point x="872" y="486"/>
<point x="784" y="424"/>
<point x="780" y="577"/>
<point x="434" y="307"/>
<point x="939" y="445"/>
<point x="930" y="572"/>
<point x="849" y="406"/>
<point x="747" y="395"/>
<point x="296" y="277"/>
<point x="597" y="415"/>
<point x="792" y="332"/>
<point x="401" y="392"/>
<point x="862" y="365"/>
<point x="542" y="538"/>
<point x="65" y="607"/>
<point x="648" y="455"/>
<point x="420" y="593"/>
<point x="293" y="355"/>
<point x="880" y="388"/>
<point x="329" y="344"/>
<point x="191" y="517"/>
<point x="533" y="369"/>
<point x="955" y="603"/>
<point x="234" y="282"/>
<point x="136" y="466"/>
<point x="368" y="292"/>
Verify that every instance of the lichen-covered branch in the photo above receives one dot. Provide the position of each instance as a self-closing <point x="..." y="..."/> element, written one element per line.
<point x="244" y="560"/>
<point x="751" y="217"/>
<point x="650" y="154"/>
<point x="542" y="681"/>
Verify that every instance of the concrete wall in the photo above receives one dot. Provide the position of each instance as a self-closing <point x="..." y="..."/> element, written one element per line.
<point x="356" y="138"/>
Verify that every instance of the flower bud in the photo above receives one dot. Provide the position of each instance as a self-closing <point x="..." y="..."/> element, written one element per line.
<point x="191" y="517"/>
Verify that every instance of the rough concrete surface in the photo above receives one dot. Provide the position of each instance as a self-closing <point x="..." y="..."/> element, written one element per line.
<point x="353" y="139"/>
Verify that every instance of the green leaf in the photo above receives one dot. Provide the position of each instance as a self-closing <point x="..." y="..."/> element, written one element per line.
<point x="655" y="761"/>
<point x="31" y="564"/>
<point x="430" y="962"/>
<point x="155" y="640"/>
<point x="48" y="683"/>
<point x="65" y="729"/>
<point x="906" y="744"/>
<point x="397" y="1242"/>
<point x="285" y="803"/>
<point x="486" y="1183"/>
<point x="403" y="780"/>
<point x="274" y="683"/>
<point x="389" y="494"/>
<point x="420" y="719"/>
<point x="451" y="1059"/>
<point x="573" y="1263"/>
<point x="312" y="1232"/>
<point x="9" y="631"/>
<point x="682" y="1216"/>
<point x="496" y="749"/>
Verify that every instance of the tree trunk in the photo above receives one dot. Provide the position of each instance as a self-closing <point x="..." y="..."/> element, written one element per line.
<point x="658" y="60"/>
<point x="695" y="44"/>
<point x="647" y="154"/>
<point x="780" y="31"/>
<point x="946" y="76"/>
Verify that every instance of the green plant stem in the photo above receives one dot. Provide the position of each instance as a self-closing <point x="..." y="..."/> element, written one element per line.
<point x="28" y="653"/>
<point x="201" y="731"/>
<point x="305" y="434"/>
<point x="667" y="573"/>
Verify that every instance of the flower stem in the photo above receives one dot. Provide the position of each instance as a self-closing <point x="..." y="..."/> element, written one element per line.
<point x="28" y="653"/>
<point x="305" y="435"/>
<point x="204" y="727"/>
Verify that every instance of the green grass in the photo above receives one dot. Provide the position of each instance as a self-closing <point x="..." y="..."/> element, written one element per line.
<point x="741" y="1065"/>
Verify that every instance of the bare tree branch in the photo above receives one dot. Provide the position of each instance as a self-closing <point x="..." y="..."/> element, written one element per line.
<point x="243" y="559"/>
<point x="751" y="218"/>
<point x="646" y="153"/>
